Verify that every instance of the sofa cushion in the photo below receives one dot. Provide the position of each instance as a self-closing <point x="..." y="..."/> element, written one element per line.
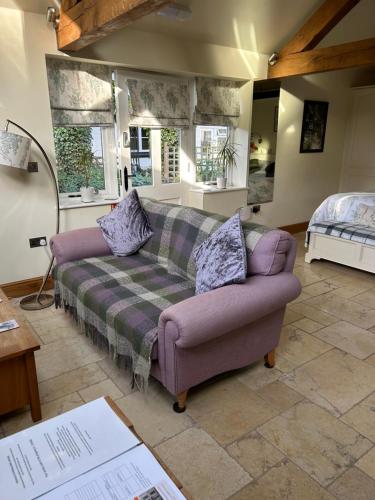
<point x="126" y="228"/>
<point x="270" y="252"/>
<point x="221" y="259"/>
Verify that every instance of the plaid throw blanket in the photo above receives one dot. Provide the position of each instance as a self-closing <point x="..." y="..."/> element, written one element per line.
<point x="120" y="299"/>
<point x="345" y="230"/>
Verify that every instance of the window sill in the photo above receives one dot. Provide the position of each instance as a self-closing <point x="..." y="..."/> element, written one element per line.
<point x="66" y="203"/>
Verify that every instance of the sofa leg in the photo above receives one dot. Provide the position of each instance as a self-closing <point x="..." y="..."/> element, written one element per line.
<point x="179" y="405"/>
<point x="269" y="359"/>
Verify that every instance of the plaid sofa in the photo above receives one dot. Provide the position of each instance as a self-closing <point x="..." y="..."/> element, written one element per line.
<point x="131" y="303"/>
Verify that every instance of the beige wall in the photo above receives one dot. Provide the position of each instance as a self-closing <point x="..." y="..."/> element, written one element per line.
<point x="302" y="181"/>
<point x="27" y="204"/>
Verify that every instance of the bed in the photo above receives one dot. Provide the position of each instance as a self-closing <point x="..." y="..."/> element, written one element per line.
<point x="336" y="233"/>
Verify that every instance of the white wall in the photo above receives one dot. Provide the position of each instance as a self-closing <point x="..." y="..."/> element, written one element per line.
<point x="27" y="204"/>
<point x="303" y="181"/>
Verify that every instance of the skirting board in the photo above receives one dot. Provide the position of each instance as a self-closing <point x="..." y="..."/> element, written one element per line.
<point x="296" y="228"/>
<point x="25" y="287"/>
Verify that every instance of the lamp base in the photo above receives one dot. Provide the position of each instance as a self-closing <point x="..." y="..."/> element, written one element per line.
<point x="30" y="303"/>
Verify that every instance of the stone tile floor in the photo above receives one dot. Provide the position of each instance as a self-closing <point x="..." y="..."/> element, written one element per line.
<point x="304" y="430"/>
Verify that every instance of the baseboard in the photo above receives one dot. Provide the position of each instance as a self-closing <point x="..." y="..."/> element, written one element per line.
<point x="25" y="287"/>
<point x="296" y="228"/>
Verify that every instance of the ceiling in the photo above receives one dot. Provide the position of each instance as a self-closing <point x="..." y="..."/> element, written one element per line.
<point x="259" y="25"/>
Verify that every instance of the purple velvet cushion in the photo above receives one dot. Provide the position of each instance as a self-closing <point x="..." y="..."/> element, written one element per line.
<point x="126" y="228"/>
<point x="221" y="259"/>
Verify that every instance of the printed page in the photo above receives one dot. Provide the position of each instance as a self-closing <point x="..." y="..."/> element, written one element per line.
<point x="38" y="459"/>
<point x="135" y="475"/>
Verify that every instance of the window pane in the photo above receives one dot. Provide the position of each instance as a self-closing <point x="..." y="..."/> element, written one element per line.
<point x="208" y="142"/>
<point x="140" y="152"/>
<point x="79" y="157"/>
<point x="170" y="155"/>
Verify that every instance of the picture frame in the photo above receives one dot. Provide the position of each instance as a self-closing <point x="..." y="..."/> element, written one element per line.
<point x="314" y="124"/>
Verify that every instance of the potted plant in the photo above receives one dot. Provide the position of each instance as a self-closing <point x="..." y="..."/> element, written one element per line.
<point x="85" y="164"/>
<point x="226" y="161"/>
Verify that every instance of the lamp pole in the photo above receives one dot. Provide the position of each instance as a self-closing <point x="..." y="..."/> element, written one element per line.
<point x="41" y="300"/>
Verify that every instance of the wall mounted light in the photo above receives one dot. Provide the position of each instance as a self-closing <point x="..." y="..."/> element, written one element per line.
<point x="53" y="16"/>
<point x="273" y="59"/>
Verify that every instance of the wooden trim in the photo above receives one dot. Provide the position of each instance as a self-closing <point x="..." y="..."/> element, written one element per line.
<point x="296" y="228"/>
<point x="87" y="21"/>
<point x="318" y="25"/>
<point x="347" y="55"/>
<point x="25" y="287"/>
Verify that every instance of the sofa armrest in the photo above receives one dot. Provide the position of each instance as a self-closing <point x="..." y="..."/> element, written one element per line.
<point x="79" y="244"/>
<point x="204" y="317"/>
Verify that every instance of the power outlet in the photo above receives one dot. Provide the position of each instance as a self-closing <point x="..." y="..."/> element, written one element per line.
<point x="255" y="209"/>
<point x="41" y="241"/>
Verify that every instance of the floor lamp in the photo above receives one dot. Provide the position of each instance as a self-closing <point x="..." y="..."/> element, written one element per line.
<point x="15" y="152"/>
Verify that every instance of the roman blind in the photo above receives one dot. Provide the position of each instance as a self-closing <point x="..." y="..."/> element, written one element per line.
<point x="80" y="93"/>
<point x="218" y="102"/>
<point x="158" y="103"/>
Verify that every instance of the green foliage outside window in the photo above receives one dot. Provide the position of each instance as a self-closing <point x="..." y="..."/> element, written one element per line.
<point x="71" y="144"/>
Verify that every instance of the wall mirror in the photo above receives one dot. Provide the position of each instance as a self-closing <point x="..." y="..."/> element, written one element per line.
<point x="262" y="155"/>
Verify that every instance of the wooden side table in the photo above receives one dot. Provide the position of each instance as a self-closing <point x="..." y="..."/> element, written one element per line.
<point x="18" y="379"/>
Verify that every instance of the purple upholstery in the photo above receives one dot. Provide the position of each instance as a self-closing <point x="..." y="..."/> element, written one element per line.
<point x="217" y="331"/>
<point x="79" y="244"/>
<point x="270" y="253"/>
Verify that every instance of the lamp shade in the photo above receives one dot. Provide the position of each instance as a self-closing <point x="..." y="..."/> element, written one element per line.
<point x="14" y="150"/>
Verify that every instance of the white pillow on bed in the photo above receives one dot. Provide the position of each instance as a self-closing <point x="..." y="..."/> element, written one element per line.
<point x="365" y="215"/>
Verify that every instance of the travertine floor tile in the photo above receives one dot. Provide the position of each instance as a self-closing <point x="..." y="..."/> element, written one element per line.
<point x="257" y="375"/>
<point x="366" y="299"/>
<point x="101" y="389"/>
<point x="255" y="454"/>
<point x="202" y="466"/>
<point x="65" y="355"/>
<point x="367" y="463"/>
<point x="228" y="409"/>
<point x="120" y="376"/>
<point x="362" y="417"/>
<point x="307" y="325"/>
<point x="371" y="360"/>
<point x="308" y="275"/>
<point x="283" y="482"/>
<point x="69" y="382"/>
<point x="344" y="309"/>
<point x="314" y="313"/>
<point x="336" y="381"/>
<point x="279" y="395"/>
<point x="153" y="416"/>
<point x="291" y="316"/>
<point x="316" y="441"/>
<point x="21" y="420"/>
<point x="350" y="338"/>
<point x="301" y="297"/>
<point x="297" y="347"/>
<point x="319" y="288"/>
<point x="353" y="485"/>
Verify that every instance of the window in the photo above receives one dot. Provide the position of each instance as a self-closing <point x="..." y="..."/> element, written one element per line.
<point x="84" y="156"/>
<point x="209" y="139"/>
<point x="140" y="153"/>
<point x="170" y="155"/>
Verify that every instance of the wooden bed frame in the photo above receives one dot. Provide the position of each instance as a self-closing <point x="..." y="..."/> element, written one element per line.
<point x="347" y="252"/>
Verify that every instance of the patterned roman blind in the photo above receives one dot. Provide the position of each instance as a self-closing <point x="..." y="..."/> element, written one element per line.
<point x="218" y="102"/>
<point x="80" y="93"/>
<point x="158" y="103"/>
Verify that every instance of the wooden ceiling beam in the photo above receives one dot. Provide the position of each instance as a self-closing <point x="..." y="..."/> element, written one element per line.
<point x="347" y="55"/>
<point x="83" y="22"/>
<point x="318" y="26"/>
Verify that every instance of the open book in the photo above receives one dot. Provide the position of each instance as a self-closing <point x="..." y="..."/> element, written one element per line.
<point x="87" y="453"/>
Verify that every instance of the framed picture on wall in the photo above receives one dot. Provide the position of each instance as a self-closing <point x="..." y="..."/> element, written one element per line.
<point x="313" y="126"/>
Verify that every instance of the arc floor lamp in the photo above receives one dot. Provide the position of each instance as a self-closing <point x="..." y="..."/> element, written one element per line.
<point x="15" y="152"/>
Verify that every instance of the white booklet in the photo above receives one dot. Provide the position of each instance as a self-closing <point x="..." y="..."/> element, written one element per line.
<point x="134" y="475"/>
<point x="37" y="460"/>
<point x="10" y="324"/>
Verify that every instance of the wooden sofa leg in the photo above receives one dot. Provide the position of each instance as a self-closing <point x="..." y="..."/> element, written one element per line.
<point x="269" y="359"/>
<point x="179" y="405"/>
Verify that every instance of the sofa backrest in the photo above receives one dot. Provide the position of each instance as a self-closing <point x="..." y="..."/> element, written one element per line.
<point x="178" y="230"/>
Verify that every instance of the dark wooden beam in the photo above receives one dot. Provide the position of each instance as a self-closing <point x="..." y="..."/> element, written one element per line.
<point x="347" y="55"/>
<point x="318" y="25"/>
<point x="84" y="22"/>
